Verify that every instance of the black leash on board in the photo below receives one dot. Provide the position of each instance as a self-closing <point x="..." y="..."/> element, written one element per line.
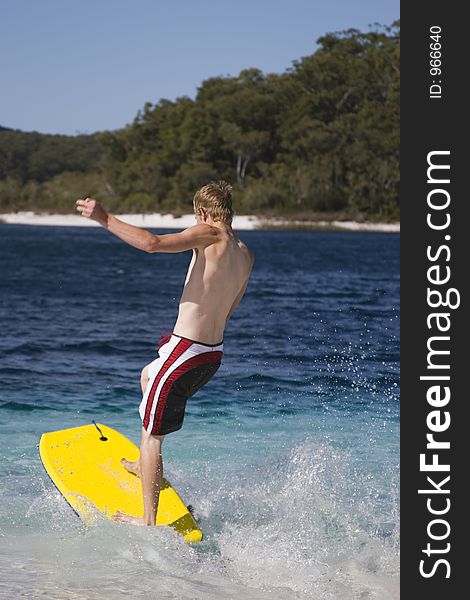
<point x="102" y="438"/>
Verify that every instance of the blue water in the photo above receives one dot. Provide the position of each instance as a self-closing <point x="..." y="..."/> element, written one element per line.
<point x="289" y="455"/>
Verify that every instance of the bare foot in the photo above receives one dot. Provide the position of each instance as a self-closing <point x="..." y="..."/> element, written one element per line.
<point x="132" y="467"/>
<point x="120" y="517"/>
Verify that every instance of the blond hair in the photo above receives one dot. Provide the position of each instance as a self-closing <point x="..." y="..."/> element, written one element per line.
<point x="215" y="199"/>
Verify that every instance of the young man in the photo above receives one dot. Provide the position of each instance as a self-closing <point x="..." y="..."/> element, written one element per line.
<point x="215" y="283"/>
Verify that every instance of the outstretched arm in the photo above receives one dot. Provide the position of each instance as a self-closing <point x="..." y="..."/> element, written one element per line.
<point x="198" y="236"/>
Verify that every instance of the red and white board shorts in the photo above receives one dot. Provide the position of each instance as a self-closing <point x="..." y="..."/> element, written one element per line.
<point x="183" y="366"/>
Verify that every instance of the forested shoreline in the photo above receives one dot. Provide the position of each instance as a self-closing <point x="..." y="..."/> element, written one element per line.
<point x="319" y="140"/>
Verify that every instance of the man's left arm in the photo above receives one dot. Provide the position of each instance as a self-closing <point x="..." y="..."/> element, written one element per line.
<point x="198" y="236"/>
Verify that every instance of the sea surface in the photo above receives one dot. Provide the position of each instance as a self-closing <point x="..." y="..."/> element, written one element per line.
<point x="289" y="455"/>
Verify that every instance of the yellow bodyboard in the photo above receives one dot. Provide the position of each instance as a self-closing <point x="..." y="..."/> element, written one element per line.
<point x="84" y="464"/>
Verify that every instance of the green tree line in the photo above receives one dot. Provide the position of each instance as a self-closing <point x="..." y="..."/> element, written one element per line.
<point x="320" y="138"/>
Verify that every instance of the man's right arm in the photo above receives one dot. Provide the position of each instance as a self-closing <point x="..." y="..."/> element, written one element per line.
<point x="198" y="236"/>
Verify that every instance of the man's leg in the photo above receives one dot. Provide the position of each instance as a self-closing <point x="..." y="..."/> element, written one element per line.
<point x="149" y="467"/>
<point x="134" y="466"/>
<point x="151" y="474"/>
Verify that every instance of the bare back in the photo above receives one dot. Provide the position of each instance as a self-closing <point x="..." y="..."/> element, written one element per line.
<point x="216" y="280"/>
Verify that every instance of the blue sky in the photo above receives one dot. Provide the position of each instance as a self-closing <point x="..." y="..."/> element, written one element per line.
<point x="79" y="66"/>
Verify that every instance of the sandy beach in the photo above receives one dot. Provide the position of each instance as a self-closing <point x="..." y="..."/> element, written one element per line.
<point x="168" y="221"/>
